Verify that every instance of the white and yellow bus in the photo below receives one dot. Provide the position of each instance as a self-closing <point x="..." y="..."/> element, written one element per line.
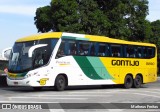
<point x="66" y="59"/>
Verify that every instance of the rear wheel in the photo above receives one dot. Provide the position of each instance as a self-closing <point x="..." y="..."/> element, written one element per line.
<point x="128" y="82"/>
<point x="60" y="83"/>
<point x="137" y="82"/>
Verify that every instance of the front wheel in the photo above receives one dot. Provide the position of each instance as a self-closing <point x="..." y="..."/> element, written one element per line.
<point x="128" y="82"/>
<point x="137" y="82"/>
<point x="60" y="83"/>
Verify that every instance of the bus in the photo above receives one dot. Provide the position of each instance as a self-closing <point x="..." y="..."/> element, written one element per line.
<point x="62" y="59"/>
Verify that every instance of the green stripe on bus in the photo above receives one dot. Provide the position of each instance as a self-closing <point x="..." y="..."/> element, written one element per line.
<point x="86" y="67"/>
<point x="92" y="67"/>
<point x="99" y="67"/>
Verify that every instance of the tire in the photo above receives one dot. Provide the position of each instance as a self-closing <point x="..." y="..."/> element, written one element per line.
<point x="37" y="88"/>
<point x="137" y="82"/>
<point x="60" y="83"/>
<point x="128" y="82"/>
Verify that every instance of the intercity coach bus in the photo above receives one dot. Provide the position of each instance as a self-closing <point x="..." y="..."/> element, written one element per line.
<point x="62" y="59"/>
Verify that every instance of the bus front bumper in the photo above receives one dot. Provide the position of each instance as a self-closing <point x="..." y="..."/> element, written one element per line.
<point x="24" y="82"/>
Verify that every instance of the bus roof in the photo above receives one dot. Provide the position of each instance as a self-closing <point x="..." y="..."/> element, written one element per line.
<point x="80" y="37"/>
<point x="40" y="36"/>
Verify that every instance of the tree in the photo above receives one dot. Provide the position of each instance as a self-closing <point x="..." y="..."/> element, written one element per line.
<point x="123" y="19"/>
<point x="155" y="37"/>
<point x="43" y="20"/>
<point x="92" y="19"/>
<point x="79" y="16"/>
<point x="61" y="15"/>
<point x="127" y="17"/>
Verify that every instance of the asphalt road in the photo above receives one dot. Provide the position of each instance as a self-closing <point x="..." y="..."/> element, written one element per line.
<point x="85" y="98"/>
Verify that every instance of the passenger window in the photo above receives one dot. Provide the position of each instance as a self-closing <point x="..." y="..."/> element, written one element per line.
<point x="151" y="52"/>
<point x="138" y="52"/>
<point x="84" y="48"/>
<point x="93" y="49"/>
<point x="145" y="52"/>
<point x="116" y="50"/>
<point x="102" y="49"/>
<point x="130" y="51"/>
<point x="72" y="50"/>
<point x="61" y="50"/>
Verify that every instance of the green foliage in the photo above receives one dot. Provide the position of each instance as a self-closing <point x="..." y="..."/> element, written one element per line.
<point x="123" y="19"/>
<point x="43" y="20"/>
<point x="155" y="36"/>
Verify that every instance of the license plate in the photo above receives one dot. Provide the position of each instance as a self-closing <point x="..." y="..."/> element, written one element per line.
<point x="16" y="83"/>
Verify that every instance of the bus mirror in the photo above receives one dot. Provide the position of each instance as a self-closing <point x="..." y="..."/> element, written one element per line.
<point x="6" y="53"/>
<point x="30" y="52"/>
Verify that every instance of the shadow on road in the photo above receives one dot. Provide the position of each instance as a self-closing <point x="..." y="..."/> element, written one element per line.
<point x="72" y="88"/>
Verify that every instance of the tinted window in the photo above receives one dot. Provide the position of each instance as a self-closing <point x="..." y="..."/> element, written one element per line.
<point x="61" y="51"/>
<point x="84" y="48"/>
<point x="102" y="51"/>
<point x="138" y="52"/>
<point x="130" y="51"/>
<point x="116" y="50"/>
<point x="72" y="48"/>
<point x="151" y="52"/>
<point x="93" y="49"/>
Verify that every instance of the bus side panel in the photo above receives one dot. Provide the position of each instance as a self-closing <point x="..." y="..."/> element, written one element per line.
<point x="113" y="71"/>
<point x="83" y="70"/>
<point x="152" y="76"/>
<point x="125" y="71"/>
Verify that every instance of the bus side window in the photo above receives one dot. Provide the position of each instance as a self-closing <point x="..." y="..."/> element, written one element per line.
<point x="116" y="50"/>
<point x="72" y="50"/>
<point x="93" y="49"/>
<point x="84" y="48"/>
<point x="102" y="49"/>
<point x="151" y="52"/>
<point x="130" y="51"/>
<point x="139" y="52"/>
<point x="61" y="50"/>
<point x="145" y="52"/>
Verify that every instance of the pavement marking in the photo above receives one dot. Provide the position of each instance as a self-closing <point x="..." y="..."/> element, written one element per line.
<point x="99" y="95"/>
<point x="115" y="110"/>
<point x="56" y="110"/>
<point x="147" y="95"/>
<point x="15" y="101"/>
<point x="99" y="92"/>
<point x="47" y="98"/>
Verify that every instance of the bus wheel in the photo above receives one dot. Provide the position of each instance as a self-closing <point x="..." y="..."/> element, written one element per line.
<point x="37" y="88"/>
<point x="60" y="83"/>
<point x="128" y="82"/>
<point x="137" y="82"/>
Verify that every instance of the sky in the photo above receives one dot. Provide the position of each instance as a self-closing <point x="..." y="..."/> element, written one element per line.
<point x="17" y="18"/>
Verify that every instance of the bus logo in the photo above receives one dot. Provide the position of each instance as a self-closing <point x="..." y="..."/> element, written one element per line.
<point x="125" y="63"/>
<point x="43" y="81"/>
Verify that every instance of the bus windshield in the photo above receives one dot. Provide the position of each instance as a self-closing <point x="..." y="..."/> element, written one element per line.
<point x="21" y="62"/>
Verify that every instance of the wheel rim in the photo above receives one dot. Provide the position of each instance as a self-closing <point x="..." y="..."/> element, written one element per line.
<point x="138" y="81"/>
<point x="128" y="81"/>
<point x="61" y="83"/>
